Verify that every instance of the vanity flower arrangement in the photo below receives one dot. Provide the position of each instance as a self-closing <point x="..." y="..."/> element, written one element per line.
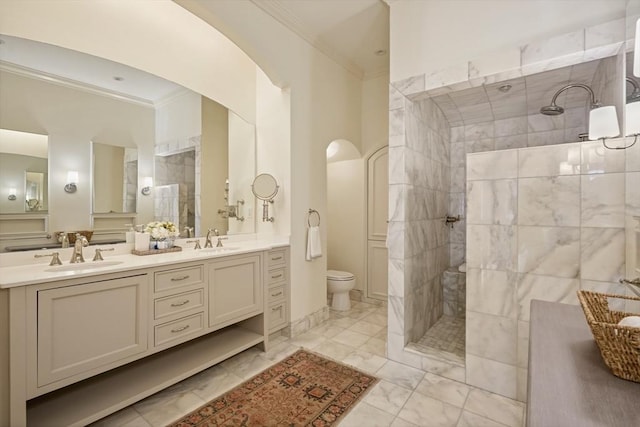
<point x="162" y="234"/>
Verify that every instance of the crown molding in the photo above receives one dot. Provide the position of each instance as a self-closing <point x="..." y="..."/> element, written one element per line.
<point x="280" y="13"/>
<point x="73" y="84"/>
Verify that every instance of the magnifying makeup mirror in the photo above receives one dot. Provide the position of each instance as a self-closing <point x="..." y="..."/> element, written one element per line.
<point x="265" y="187"/>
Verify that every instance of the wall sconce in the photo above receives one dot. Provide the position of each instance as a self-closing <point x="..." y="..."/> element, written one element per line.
<point x="72" y="180"/>
<point x="12" y="194"/>
<point x="147" y="184"/>
<point x="603" y="124"/>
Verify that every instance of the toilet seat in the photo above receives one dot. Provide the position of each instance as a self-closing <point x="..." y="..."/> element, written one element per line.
<point x="339" y="275"/>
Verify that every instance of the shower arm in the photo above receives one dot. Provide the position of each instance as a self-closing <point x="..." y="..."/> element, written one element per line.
<point x="594" y="103"/>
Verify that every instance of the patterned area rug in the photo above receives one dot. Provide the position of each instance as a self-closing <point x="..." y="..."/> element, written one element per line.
<point x="302" y="390"/>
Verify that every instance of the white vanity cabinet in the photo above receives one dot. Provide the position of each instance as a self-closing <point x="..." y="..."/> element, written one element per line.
<point x="76" y="349"/>
<point x="277" y="297"/>
<point x="84" y="329"/>
<point x="235" y="289"/>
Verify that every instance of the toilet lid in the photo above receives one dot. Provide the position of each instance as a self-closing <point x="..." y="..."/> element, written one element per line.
<point x="339" y="275"/>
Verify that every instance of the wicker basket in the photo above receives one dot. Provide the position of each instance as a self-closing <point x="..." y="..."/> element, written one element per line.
<point x="619" y="345"/>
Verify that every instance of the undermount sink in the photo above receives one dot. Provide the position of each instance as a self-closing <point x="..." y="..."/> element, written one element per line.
<point x="83" y="266"/>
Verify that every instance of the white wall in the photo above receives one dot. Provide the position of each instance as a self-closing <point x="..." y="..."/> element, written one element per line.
<point x="432" y="35"/>
<point x="325" y="105"/>
<point x="179" y="117"/>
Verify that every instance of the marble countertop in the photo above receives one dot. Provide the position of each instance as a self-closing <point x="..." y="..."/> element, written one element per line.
<point x="21" y="269"/>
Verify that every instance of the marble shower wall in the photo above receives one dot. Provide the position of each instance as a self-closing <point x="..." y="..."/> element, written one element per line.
<point x="419" y="181"/>
<point x="542" y="223"/>
<point x="529" y="130"/>
<point x="179" y="169"/>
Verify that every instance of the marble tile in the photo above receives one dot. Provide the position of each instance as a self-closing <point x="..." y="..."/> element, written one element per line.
<point x="410" y="85"/>
<point x="168" y="405"/>
<point x="603" y="200"/>
<point x="509" y="142"/>
<point x="553" y="251"/>
<point x="511" y="126"/>
<point x="447" y="76"/>
<point x="546" y="288"/>
<point x="604" y="34"/>
<point x="523" y="344"/>
<point x="365" y="361"/>
<point x="469" y="419"/>
<point x="310" y="340"/>
<point x="457" y="134"/>
<point x="479" y="131"/>
<point x="500" y="285"/>
<point x="334" y="350"/>
<point x="128" y="417"/>
<point x="396" y="100"/>
<point x="632" y="156"/>
<point x="492" y="202"/>
<point x="632" y="194"/>
<point x="400" y="374"/>
<point x="492" y="247"/>
<point x="396" y="122"/>
<point x="497" y="62"/>
<point x="497" y="408"/>
<point x="399" y="422"/>
<point x="549" y="201"/>
<point x="492" y="165"/>
<point x="427" y="412"/>
<point x="602" y="254"/>
<point x="444" y="369"/>
<point x="480" y="145"/>
<point x="549" y="161"/>
<point x="365" y="414"/>
<point x="596" y="159"/>
<point x="212" y="382"/>
<point x="448" y="391"/>
<point x="388" y="396"/>
<point x="553" y="47"/>
<point x="490" y="375"/>
<point x="491" y="337"/>
<point x="544" y="138"/>
<point x="541" y="123"/>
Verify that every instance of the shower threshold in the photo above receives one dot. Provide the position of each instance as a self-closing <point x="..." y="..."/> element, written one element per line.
<point x="444" y="340"/>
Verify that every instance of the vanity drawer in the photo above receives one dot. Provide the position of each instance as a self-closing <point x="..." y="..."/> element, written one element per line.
<point x="179" y="277"/>
<point x="173" y="304"/>
<point x="277" y="293"/>
<point x="170" y="331"/>
<point x="277" y="275"/>
<point x="277" y="257"/>
<point x="277" y="316"/>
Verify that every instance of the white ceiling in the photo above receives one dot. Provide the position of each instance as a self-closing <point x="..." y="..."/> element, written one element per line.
<point x="348" y="31"/>
<point x="91" y="72"/>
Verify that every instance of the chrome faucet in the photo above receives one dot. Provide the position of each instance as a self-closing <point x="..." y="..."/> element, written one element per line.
<point x="63" y="239"/>
<point x="76" y="255"/>
<point x="207" y="242"/>
<point x="55" y="258"/>
<point x="220" y="239"/>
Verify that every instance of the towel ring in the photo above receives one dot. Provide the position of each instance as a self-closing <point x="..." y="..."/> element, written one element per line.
<point x="311" y="212"/>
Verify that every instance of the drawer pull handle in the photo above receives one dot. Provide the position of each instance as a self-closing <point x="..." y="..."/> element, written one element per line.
<point x="276" y="295"/>
<point x="180" y="304"/>
<point x="276" y="258"/>
<point x="277" y="276"/>
<point x="180" y="329"/>
<point x="178" y="279"/>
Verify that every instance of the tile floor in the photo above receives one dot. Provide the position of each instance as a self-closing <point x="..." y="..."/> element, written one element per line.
<point x="404" y="396"/>
<point x="447" y="334"/>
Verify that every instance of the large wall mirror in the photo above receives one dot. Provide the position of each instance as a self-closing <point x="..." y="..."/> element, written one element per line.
<point x="121" y="127"/>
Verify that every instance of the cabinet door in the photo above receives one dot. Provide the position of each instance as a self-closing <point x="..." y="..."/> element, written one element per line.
<point x="84" y="327"/>
<point x="235" y="290"/>
<point x="377" y="274"/>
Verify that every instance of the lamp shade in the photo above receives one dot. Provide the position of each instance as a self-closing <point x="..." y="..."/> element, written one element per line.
<point x="72" y="177"/>
<point x="632" y="120"/>
<point x="603" y="123"/>
<point x="147" y="181"/>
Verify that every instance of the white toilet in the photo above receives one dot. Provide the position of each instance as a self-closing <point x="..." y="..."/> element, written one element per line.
<point x="339" y="283"/>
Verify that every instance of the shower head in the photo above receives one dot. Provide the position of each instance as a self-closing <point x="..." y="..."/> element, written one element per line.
<point x="551" y="110"/>
<point x="554" y="110"/>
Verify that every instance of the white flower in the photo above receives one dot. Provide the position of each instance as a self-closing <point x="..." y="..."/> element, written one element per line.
<point x="161" y="230"/>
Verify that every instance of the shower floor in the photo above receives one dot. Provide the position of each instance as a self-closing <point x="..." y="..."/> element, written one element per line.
<point x="445" y="338"/>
